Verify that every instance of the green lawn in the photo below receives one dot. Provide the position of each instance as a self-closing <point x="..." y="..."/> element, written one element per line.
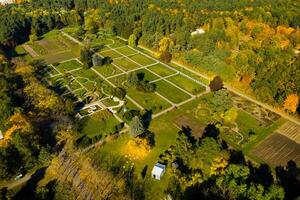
<point x="101" y="123"/>
<point x="126" y="64"/>
<point x="149" y="101"/>
<point x="117" y="44"/>
<point x="126" y="51"/>
<point x="68" y="66"/>
<point x="119" y="81"/>
<point x="56" y="58"/>
<point x="187" y="84"/>
<point x="147" y="76"/>
<point x="52" y="71"/>
<point x="161" y="70"/>
<point x="81" y="92"/>
<point x="108" y="70"/>
<point x="170" y="92"/>
<point x="143" y="60"/>
<point x="110" y="53"/>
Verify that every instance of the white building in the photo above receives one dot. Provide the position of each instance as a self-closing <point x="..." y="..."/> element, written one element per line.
<point x="158" y="171"/>
<point x="7" y="1"/>
<point x="198" y="31"/>
<point x="1" y="135"/>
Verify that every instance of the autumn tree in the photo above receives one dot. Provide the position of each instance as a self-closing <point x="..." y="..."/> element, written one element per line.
<point x="164" y="49"/>
<point x="291" y="103"/>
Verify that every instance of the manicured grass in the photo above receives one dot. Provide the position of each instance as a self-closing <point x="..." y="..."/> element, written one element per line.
<point x="195" y="76"/>
<point x="146" y="75"/>
<point x="126" y="51"/>
<point x="111" y="53"/>
<point x="101" y="123"/>
<point x="108" y="70"/>
<point x="60" y="57"/>
<point x="260" y="133"/>
<point x="119" y="81"/>
<point x="68" y="66"/>
<point x="51" y="70"/>
<point x="74" y="85"/>
<point x="86" y="73"/>
<point x="117" y="44"/>
<point x="149" y="101"/>
<point x="187" y="84"/>
<point x="161" y="70"/>
<point x="126" y="64"/>
<point x="80" y="93"/>
<point x="170" y="92"/>
<point x="143" y="60"/>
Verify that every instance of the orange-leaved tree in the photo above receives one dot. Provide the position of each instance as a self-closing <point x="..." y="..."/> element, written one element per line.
<point x="291" y="103"/>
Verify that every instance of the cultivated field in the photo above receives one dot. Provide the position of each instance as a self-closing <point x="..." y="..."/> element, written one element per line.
<point x="277" y="150"/>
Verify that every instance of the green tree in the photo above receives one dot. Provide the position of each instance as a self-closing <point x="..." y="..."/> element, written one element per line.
<point x="86" y="56"/>
<point x="132" y="41"/>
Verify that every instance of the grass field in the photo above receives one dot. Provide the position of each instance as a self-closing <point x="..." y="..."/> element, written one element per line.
<point x="146" y="75"/>
<point x="126" y="51"/>
<point x="149" y="101"/>
<point x="170" y="92"/>
<point x="101" y="123"/>
<point x="143" y="60"/>
<point x="126" y="64"/>
<point x="108" y="70"/>
<point x="110" y="53"/>
<point x="119" y="81"/>
<point x="68" y="66"/>
<point x="187" y="84"/>
<point x="161" y="70"/>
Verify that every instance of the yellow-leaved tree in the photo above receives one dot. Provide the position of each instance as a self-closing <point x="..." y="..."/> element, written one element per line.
<point x="291" y="103"/>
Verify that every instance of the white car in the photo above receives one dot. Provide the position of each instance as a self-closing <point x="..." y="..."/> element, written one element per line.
<point x="19" y="176"/>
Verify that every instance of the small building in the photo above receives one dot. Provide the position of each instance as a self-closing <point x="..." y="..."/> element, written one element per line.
<point x="1" y="135"/>
<point x="198" y="31"/>
<point x="158" y="171"/>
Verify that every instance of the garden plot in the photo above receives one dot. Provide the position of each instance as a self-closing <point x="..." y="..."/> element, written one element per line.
<point x="119" y="81"/>
<point x="161" y="70"/>
<point x="110" y="53"/>
<point x="146" y="75"/>
<point x="277" y="150"/>
<point x="141" y="59"/>
<point x="68" y="66"/>
<point x="187" y="84"/>
<point x="126" y="64"/>
<point x="171" y="92"/>
<point x="108" y="70"/>
<point x="59" y="57"/>
<point x="149" y="101"/>
<point x="291" y="131"/>
<point x="263" y="115"/>
<point x="126" y="51"/>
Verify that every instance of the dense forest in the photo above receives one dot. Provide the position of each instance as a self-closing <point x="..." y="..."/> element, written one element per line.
<point x="253" y="45"/>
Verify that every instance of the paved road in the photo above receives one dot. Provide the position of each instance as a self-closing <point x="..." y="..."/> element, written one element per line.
<point x="18" y="182"/>
<point x="230" y="88"/>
